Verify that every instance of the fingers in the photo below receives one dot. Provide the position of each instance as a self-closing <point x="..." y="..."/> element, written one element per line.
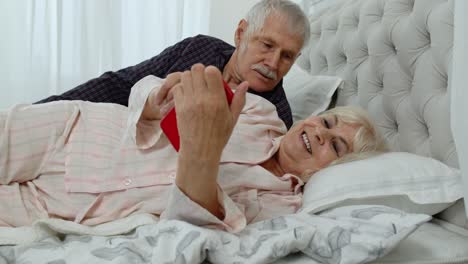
<point x="189" y="88"/>
<point x="178" y="92"/>
<point x="238" y="101"/>
<point x="214" y="80"/>
<point x="205" y="82"/>
<point x="198" y="77"/>
<point x="187" y="84"/>
<point x="166" y="108"/>
<point x="189" y="81"/>
<point x="165" y="92"/>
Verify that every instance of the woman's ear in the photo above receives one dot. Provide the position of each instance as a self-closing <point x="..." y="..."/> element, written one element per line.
<point x="240" y="32"/>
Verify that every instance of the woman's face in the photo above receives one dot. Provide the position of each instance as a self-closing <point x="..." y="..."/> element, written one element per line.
<point x="314" y="143"/>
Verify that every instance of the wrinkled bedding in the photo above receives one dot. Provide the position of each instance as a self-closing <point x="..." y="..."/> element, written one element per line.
<point x="351" y="234"/>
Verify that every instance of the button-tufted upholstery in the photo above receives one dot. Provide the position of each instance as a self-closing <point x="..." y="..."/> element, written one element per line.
<point x="395" y="58"/>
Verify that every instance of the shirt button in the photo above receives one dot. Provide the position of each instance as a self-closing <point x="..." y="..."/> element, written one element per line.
<point x="172" y="175"/>
<point x="127" y="182"/>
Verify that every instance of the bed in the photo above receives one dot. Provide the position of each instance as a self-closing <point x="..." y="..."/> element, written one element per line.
<point x="391" y="57"/>
<point x="394" y="58"/>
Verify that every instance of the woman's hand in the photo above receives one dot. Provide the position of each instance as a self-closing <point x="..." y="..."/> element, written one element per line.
<point x="204" y="118"/>
<point x="160" y="103"/>
<point x="205" y="122"/>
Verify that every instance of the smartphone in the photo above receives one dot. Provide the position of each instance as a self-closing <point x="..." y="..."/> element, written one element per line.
<point x="169" y="122"/>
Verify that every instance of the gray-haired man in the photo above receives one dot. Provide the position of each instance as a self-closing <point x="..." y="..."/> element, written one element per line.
<point x="267" y="42"/>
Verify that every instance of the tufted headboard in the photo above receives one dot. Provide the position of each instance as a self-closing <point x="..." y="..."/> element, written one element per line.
<point x="394" y="56"/>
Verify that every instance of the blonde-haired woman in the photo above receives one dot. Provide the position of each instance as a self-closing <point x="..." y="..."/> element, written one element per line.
<point x="328" y="127"/>
<point x="93" y="163"/>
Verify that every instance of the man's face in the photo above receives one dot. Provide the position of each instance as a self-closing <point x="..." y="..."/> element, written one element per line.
<point x="268" y="54"/>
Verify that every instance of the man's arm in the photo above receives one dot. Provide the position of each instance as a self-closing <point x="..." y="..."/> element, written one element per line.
<point x="114" y="87"/>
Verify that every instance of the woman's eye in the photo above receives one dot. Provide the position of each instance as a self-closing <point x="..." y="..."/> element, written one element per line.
<point x="288" y="57"/>
<point x="326" y="123"/>
<point x="336" y="148"/>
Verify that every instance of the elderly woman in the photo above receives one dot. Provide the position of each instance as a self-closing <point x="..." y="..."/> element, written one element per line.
<point x="93" y="163"/>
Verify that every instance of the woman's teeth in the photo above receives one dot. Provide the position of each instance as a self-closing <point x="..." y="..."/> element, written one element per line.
<point x="306" y="142"/>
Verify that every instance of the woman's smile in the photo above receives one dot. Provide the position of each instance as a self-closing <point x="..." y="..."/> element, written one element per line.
<point x="306" y="141"/>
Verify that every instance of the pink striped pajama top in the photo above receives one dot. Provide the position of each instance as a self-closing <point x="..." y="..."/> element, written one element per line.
<point x="96" y="162"/>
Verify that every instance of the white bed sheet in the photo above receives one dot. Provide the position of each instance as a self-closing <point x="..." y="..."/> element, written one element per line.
<point x="351" y="234"/>
<point x="435" y="242"/>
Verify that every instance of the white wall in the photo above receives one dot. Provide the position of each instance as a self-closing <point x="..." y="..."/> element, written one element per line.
<point x="225" y="15"/>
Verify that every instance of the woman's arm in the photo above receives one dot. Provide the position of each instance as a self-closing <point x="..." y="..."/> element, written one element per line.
<point x="205" y="122"/>
<point x="144" y="115"/>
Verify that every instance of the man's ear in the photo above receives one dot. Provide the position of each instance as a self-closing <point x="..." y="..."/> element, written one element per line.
<point x="240" y="32"/>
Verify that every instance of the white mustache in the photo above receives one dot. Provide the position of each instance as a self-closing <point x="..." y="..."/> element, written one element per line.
<point x="265" y="71"/>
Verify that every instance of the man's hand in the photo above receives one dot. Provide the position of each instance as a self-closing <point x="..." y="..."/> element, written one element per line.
<point x="205" y="122"/>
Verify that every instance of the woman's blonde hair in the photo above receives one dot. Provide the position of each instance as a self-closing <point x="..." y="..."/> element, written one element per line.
<point x="367" y="142"/>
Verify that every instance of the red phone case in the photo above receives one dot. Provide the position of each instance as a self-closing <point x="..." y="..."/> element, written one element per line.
<point x="169" y="122"/>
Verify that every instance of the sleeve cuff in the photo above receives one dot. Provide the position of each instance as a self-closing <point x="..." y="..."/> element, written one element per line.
<point x="143" y="132"/>
<point x="181" y="207"/>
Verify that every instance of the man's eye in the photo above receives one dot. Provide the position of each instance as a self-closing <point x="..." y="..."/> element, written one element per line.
<point x="267" y="45"/>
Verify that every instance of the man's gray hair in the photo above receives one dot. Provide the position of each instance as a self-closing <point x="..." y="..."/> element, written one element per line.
<point x="297" y="20"/>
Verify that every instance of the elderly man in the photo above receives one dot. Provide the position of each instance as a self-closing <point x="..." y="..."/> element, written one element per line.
<point x="268" y="41"/>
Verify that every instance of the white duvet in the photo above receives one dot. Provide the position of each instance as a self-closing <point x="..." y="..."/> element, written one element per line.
<point x="351" y="234"/>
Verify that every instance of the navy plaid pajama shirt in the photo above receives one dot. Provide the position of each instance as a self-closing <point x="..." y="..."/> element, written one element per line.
<point x="114" y="87"/>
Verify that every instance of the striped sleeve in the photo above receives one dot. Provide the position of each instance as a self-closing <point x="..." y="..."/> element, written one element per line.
<point x="144" y="133"/>
<point x="181" y="207"/>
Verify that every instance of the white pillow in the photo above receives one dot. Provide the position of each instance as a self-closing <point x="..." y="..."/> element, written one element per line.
<point x="405" y="181"/>
<point x="308" y="94"/>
